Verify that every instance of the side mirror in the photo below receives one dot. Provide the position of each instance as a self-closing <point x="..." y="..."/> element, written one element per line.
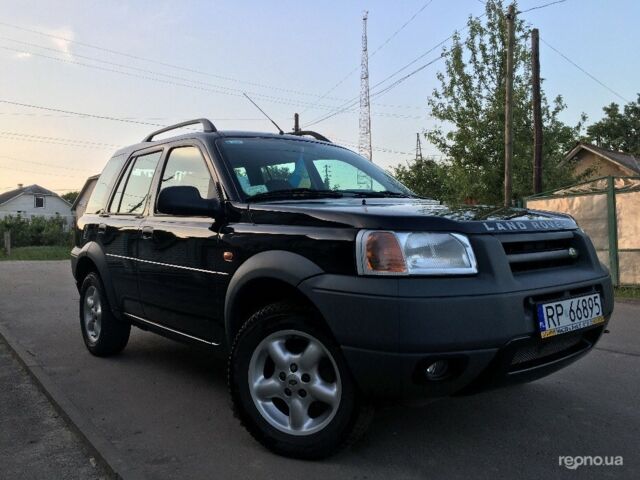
<point x="187" y="201"/>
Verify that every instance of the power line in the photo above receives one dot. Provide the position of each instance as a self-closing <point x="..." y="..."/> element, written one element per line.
<point x="177" y="67"/>
<point x="124" y="119"/>
<point x="377" y="149"/>
<point x="212" y="87"/>
<point x="409" y="75"/>
<point x="375" y="94"/>
<point x="381" y="46"/>
<point x="70" y="140"/>
<point x="55" y="140"/>
<point x="156" y="62"/>
<point x="541" y="6"/>
<point x="342" y="108"/>
<point x="21" y="160"/>
<point x="402" y="27"/>
<point x="186" y="85"/>
<point x="583" y="70"/>
<point x="43" y="173"/>
<point x="90" y="115"/>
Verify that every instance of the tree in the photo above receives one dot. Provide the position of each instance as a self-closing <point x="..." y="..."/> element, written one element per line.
<point x="70" y="196"/>
<point x="469" y="105"/>
<point x="618" y="130"/>
<point x="425" y="177"/>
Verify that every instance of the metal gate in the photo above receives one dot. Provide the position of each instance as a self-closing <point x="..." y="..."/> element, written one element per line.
<point x="608" y="210"/>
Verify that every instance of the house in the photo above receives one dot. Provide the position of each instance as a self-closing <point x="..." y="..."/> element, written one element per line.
<point x="600" y="162"/>
<point x="34" y="201"/>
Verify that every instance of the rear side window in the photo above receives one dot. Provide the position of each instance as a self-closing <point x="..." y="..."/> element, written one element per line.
<point x="186" y="167"/>
<point x="80" y="205"/>
<point x="98" y="200"/>
<point x="133" y="190"/>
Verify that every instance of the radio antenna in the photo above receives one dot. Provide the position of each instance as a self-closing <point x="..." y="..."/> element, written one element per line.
<point x="264" y="113"/>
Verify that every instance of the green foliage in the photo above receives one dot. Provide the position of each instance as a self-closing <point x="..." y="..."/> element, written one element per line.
<point x="70" y="196"/>
<point x="618" y="130"/>
<point x="627" y="292"/>
<point x="425" y="177"/>
<point x="36" y="231"/>
<point x="55" y="252"/>
<point x="469" y="105"/>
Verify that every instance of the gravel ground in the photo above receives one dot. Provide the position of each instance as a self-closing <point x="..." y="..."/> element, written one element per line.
<point x="34" y="441"/>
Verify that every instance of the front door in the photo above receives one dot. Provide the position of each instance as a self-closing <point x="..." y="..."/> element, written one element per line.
<point x="179" y="255"/>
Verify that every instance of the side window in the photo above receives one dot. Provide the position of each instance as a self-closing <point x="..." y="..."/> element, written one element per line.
<point x="186" y="167"/>
<point x="104" y="184"/>
<point x="117" y="197"/>
<point x="133" y="191"/>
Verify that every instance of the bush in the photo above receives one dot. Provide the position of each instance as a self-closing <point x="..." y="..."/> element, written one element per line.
<point x="36" y="231"/>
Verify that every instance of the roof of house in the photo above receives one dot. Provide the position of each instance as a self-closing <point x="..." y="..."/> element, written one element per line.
<point x="625" y="160"/>
<point x="30" y="190"/>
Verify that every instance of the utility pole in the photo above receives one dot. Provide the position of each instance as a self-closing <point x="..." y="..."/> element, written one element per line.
<point x="296" y="122"/>
<point x="537" y="112"/>
<point x="364" y="140"/>
<point x="418" y="147"/>
<point x="508" y="111"/>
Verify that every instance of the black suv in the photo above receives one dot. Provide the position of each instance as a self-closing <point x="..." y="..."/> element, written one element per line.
<point x="328" y="283"/>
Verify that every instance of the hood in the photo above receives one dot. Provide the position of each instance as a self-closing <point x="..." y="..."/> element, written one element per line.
<point x="408" y="214"/>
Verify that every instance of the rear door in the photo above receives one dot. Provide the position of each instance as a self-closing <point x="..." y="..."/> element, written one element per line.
<point x="119" y="227"/>
<point x="179" y="255"/>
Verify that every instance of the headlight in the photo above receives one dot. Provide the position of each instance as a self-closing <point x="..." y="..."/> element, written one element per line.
<point x="414" y="253"/>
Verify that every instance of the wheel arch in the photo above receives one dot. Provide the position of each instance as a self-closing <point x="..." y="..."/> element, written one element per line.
<point x="265" y="278"/>
<point x="91" y="258"/>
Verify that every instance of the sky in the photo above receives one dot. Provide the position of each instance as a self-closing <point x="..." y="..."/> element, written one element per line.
<point x="286" y="55"/>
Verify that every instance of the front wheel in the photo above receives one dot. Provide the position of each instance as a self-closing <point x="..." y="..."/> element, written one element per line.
<point x="291" y="387"/>
<point x="102" y="332"/>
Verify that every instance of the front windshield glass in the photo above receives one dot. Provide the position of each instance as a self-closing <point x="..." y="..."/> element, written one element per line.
<point x="274" y="167"/>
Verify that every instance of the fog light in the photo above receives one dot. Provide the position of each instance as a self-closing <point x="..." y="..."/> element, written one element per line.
<point x="437" y="370"/>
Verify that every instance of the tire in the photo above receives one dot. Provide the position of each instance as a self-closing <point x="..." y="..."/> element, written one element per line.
<point x="104" y="335"/>
<point x="291" y="387"/>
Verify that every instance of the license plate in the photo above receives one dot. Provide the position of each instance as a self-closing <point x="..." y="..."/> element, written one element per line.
<point x="566" y="316"/>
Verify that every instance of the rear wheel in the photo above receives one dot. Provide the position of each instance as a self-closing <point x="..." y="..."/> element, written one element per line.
<point x="103" y="334"/>
<point x="291" y="387"/>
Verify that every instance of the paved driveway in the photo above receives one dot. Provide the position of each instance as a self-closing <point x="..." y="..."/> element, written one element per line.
<point x="165" y="407"/>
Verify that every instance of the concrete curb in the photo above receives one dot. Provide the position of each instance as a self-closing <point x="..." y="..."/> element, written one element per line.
<point x="104" y="451"/>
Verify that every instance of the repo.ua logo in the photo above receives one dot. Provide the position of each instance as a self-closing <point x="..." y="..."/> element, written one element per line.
<point x="575" y="461"/>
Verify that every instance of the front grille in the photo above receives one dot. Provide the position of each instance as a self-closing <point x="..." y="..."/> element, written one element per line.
<point x="539" y="351"/>
<point x="538" y="251"/>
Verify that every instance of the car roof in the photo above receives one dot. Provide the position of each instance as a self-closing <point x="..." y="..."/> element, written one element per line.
<point x="209" y="136"/>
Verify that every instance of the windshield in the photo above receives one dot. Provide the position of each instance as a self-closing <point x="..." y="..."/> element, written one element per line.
<point x="282" y="168"/>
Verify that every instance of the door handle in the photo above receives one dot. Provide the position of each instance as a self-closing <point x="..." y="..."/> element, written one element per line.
<point x="102" y="228"/>
<point x="147" y="233"/>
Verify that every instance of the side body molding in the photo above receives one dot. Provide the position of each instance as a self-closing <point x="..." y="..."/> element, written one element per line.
<point x="276" y="264"/>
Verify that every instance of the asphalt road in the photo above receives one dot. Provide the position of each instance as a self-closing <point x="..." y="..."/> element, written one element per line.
<point x="165" y="407"/>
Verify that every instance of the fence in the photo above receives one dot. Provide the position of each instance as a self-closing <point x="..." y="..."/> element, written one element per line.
<point x="608" y="210"/>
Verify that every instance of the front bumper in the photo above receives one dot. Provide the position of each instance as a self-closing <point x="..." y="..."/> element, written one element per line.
<point x="389" y="337"/>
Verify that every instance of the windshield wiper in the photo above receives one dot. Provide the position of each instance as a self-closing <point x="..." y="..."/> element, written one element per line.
<point x="372" y="194"/>
<point x="294" y="193"/>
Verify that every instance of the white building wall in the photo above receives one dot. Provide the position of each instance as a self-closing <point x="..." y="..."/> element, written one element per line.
<point x="25" y="203"/>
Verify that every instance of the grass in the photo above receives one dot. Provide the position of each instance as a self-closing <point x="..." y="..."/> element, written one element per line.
<point x="627" y="292"/>
<point x="37" y="253"/>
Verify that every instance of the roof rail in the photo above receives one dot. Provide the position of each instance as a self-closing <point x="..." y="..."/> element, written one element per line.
<point x="207" y="126"/>
<point x="310" y="133"/>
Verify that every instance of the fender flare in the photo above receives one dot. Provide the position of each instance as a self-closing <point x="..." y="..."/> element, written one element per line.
<point x="282" y="265"/>
<point x="93" y="252"/>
